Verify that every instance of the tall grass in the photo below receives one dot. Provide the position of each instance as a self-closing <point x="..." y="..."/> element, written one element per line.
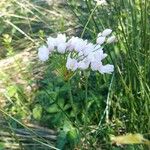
<point x="134" y="74"/>
<point x="129" y="94"/>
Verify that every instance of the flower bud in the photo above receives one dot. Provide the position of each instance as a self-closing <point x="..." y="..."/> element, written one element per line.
<point x="111" y="39"/>
<point x="51" y="43"/>
<point x="61" y="48"/>
<point x="43" y="53"/>
<point x="100" y="40"/>
<point x="106" y="32"/>
<point x="106" y="69"/>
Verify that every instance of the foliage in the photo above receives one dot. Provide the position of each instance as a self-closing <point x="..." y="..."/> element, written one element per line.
<point x="1" y="146"/>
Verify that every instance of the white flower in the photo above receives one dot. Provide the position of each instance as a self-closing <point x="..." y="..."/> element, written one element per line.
<point x="97" y="47"/>
<point x="88" y="49"/>
<point x="43" y="53"/>
<point x="76" y="44"/>
<point x="101" y="2"/>
<point x="61" y="38"/>
<point x="111" y="39"/>
<point x="96" y="56"/>
<point x="99" y="34"/>
<point x="100" y="55"/>
<point x="106" y="69"/>
<point x="95" y="65"/>
<point x="100" y="40"/>
<point x="90" y="57"/>
<point x="71" y="64"/>
<point x="106" y="32"/>
<point x="61" y="48"/>
<point x="81" y="55"/>
<point x="51" y="42"/>
<point x="80" y="45"/>
<point x="72" y="43"/>
<point x="84" y="64"/>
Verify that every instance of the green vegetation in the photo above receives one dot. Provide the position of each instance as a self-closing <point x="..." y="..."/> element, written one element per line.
<point x="87" y="108"/>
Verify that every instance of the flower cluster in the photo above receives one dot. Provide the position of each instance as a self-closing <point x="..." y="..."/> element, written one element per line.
<point x="81" y="53"/>
<point x="101" y="2"/>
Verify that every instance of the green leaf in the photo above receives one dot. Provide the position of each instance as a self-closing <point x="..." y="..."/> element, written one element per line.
<point x="67" y="126"/>
<point x="61" y="102"/>
<point x="73" y="136"/>
<point x="61" y="140"/>
<point x="11" y="90"/>
<point x="53" y="108"/>
<point x="37" y="112"/>
<point x="1" y="146"/>
<point x="67" y="106"/>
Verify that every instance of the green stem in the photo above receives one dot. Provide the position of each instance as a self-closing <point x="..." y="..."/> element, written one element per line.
<point x="89" y="9"/>
<point x="86" y="95"/>
<point x="71" y="100"/>
<point x="108" y="102"/>
<point x="90" y="17"/>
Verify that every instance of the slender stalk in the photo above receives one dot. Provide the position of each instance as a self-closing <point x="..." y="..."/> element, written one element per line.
<point x="86" y="98"/>
<point x="71" y="100"/>
<point x="90" y="17"/>
<point x="108" y="102"/>
<point x="89" y="9"/>
<point x="86" y="108"/>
